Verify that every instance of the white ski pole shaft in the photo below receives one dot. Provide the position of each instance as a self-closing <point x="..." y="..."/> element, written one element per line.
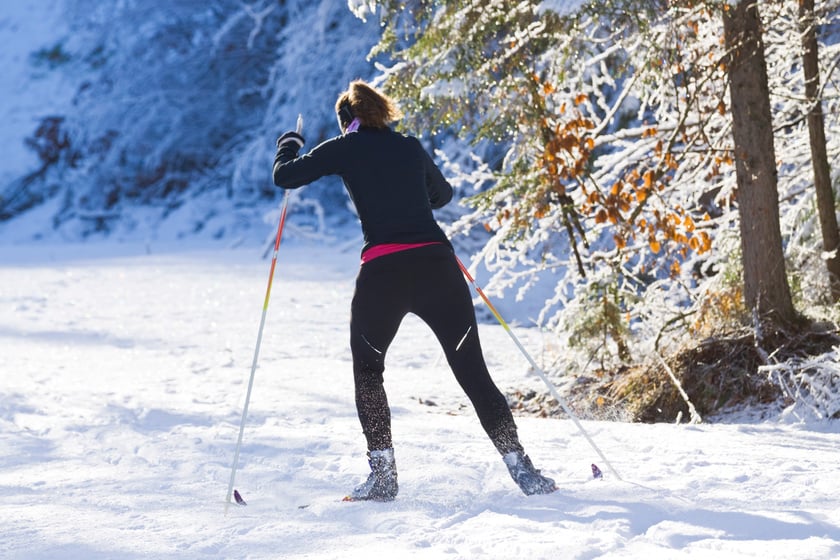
<point x="551" y="387"/>
<point x="259" y="338"/>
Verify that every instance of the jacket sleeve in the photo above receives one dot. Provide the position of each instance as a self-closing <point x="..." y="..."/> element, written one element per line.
<point x="439" y="189"/>
<point x="292" y="172"/>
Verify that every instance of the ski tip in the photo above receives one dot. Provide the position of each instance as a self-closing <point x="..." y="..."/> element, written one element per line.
<point x="596" y="472"/>
<point x="347" y="499"/>
<point x="238" y="497"/>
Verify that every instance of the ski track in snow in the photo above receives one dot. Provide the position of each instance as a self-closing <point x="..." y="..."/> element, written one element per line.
<point x="123" y="380"/>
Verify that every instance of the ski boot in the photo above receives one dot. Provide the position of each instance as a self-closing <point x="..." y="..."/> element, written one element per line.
<point x="529" y="479"/>
<point x="381" y="484"/>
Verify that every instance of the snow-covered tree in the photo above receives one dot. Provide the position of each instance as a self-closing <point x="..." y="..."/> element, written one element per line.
<point x="177" y="105"/>
<point x="618" y="176"/>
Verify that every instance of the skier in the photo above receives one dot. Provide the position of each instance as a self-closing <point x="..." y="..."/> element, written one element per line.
<point x="408" y="266"/>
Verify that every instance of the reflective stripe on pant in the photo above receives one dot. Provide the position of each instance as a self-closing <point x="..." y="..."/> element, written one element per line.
<point x="425" y="281"/>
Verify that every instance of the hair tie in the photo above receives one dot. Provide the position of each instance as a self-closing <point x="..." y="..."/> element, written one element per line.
<point x="353" y="126"/>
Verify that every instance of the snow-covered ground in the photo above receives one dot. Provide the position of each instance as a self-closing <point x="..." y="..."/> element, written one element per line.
<point x="123" y="372"/>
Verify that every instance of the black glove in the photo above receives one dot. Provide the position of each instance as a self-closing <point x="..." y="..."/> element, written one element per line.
<point x="292" y="138"/>
<point x="288" y="146"/>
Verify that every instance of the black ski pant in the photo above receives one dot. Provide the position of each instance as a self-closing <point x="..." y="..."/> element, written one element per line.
<point x="425" y="281"/>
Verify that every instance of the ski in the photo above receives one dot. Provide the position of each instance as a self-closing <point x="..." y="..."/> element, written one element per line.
<point x="596" y="474"/>
<point x="352" y="499"/>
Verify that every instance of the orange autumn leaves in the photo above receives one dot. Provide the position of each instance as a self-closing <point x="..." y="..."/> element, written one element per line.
<point x="565" y="159"/>
<point x="624" y="207"/>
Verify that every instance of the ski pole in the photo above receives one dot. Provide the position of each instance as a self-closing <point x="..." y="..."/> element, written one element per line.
<point x="259" y="339"/>
<point x="551" y="387"/>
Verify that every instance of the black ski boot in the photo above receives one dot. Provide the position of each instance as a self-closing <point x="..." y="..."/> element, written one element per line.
<point x="381" y="484"/>
<point x="528" y="478"/>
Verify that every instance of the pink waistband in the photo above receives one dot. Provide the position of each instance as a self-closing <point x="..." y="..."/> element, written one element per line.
<point x="388" y="248"/>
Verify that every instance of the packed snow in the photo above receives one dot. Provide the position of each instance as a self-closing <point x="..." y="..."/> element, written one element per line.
<point x="124" y="372"/>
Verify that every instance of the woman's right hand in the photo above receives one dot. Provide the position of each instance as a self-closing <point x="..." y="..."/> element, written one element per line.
<point x="291" y="138"/>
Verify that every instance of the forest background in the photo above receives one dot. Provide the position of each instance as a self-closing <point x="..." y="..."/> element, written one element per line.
<point x="651" y="183"/>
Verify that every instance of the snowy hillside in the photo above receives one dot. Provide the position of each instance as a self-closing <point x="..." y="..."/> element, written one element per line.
<point x="158" y="119"/>
<point x="124" y="369"/>
<point x="27" y="92"/>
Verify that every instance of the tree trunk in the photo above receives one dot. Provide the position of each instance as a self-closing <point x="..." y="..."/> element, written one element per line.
<point x="766" y="288"/>
<point x="819" y="155"/>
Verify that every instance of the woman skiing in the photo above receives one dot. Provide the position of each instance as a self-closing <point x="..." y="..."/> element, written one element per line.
<point x="408" y="266"/>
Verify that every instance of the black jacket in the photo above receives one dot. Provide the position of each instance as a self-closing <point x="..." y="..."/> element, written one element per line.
<point x="391" y="179"/>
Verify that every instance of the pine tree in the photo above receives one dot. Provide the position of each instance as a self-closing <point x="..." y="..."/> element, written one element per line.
<point x="604" y="136"/>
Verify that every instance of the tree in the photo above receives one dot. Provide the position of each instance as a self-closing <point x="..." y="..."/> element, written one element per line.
<point x="766" y="289"/>
<point x="609" y="117"/>
<point x="819" y="154"/>
<point x="619" y="172"/>
<point x="173" y="109"/>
